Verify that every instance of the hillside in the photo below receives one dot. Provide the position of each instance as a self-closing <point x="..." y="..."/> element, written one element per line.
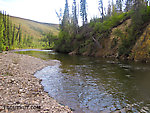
<point x="33" y="28"/>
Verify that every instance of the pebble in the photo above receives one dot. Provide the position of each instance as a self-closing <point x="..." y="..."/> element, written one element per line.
<point x="18" y="85"/>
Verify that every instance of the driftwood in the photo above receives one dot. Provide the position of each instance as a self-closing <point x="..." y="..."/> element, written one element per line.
<point x="97" y="43"/>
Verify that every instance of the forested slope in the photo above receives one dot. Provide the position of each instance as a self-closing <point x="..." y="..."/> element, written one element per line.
<point x="121" y="33"/>
<point x="23" y="33"/>
<point x="33" y="28"/>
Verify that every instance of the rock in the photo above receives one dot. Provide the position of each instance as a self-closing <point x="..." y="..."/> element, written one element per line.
<point x="22" y="88"/>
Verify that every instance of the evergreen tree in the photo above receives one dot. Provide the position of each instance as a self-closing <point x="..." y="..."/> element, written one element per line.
<point x="8" y="31"/>
<point x="74" y="13"/>
<point x="8" y="36"/>
<point x="66" y="18"/>
<point x="128" y="5"/>
<point x="113" y="9"/>
<point x="5" y="28"/>
<point x="13" y="35"/>
<point x="101" y="9"/>
<point x="24" y="40"/>
<point x="17" y="33"/>
<point x="59" y="15"/>
<point x="20" y="34"/>
<point x="109" y="8"/>
<point x="1" y="31"/>
<point x="83" y="12"/>
<point x="119" y="5"/>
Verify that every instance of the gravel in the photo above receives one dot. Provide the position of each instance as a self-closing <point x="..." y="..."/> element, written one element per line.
<point x="20" y="90"/>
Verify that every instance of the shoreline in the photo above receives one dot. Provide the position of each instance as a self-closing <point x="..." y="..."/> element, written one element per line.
<point x="20" y="90"/>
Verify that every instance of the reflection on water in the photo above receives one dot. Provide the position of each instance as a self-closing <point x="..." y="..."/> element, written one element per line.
<point x="88" y="84"/>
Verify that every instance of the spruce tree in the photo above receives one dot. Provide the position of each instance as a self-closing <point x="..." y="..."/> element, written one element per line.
<point x="74" y="13"/>
<point x="66" y="18"/>
<point x="128" y="5"/>
<point x="5" y="28"/>
<point x="83" y="12"/>
<point x="119" y="5"/>
<point x="13" y="35"/>
<point x="20" y="34"/>
<point x="1" y="31"/>
<point x="109" y="8"/>
<point x="101" y="9"/>
<point x="8" y="31"/>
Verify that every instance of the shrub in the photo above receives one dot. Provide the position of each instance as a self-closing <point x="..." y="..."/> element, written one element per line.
<point x="118" y="33"/>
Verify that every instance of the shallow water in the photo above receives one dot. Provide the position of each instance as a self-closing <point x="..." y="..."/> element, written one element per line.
<point x="92" y="85"/>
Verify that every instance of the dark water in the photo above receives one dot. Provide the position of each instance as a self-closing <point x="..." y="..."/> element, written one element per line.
<point x="92" y="85"/>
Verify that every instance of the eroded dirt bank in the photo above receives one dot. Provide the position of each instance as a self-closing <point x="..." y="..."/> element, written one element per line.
<point x="20" y="90"/>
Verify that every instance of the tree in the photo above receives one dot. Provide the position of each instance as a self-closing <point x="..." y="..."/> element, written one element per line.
<point x="128" y="5"/>
<point x="136" y="4"/>
<point x="8" y="36"/>
<point x="5" y="27"/>
<point x="109" y="8"/>
<point x="74" y="13"/>
<point x="17" y="33"/>
<point x="20" y="34"/>
<point x="59" y="15"/>
<point x="101" y="9"/>
<point x="113" y="10"/>
<point x="83" y="12"/>
<point x="66" y="19"/>
<point x="8" y="31"/>
<point x="13" y="35"/>
<point x="49" y="38"/>
<point x="119" y="5"/>
<point x="1" y="31"/>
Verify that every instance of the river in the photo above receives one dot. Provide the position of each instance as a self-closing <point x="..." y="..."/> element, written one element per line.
<point x="92" y="85"/>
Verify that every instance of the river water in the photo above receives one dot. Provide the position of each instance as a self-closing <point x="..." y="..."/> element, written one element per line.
<point x="92" y="85"/>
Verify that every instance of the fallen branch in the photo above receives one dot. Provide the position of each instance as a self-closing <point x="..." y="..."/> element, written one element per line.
<point x="97" y="43"/>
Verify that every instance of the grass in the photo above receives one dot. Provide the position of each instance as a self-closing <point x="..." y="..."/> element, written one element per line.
<point x="33" y="28"/>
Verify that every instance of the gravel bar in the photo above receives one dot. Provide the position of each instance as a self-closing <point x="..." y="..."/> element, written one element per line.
<point x="20" y="90"/>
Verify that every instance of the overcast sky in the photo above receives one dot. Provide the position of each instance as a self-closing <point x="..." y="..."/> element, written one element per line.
<point x="43" y="10"/>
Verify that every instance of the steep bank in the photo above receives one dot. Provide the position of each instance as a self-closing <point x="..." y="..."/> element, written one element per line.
<point x="123" y="35"/>
<point x="141" y="50"/>
<point x="20" y="91"/>
<point x="109" y="46"/>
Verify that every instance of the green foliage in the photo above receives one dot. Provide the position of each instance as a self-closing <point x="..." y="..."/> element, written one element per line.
<point x="139" y="17"/>
<point x="48" y="41"/>
<point x="68" y="40"/>
<point x="114" y="43"/>
<point x="118" y="33"/>
<point x="63" y="44"/>
<point x="109" y="23"/>
<point x="124" y="48"/>
<point x="89" y="37"/>
<point x="11" y="36"/>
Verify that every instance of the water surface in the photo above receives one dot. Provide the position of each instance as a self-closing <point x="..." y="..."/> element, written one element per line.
<point x="92" y="85"/>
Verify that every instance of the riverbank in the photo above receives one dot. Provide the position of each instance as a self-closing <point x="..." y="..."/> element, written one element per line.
<point x="20" y="90"/>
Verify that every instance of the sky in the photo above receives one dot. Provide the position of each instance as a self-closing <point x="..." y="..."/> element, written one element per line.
<point x="44" y="10"/>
